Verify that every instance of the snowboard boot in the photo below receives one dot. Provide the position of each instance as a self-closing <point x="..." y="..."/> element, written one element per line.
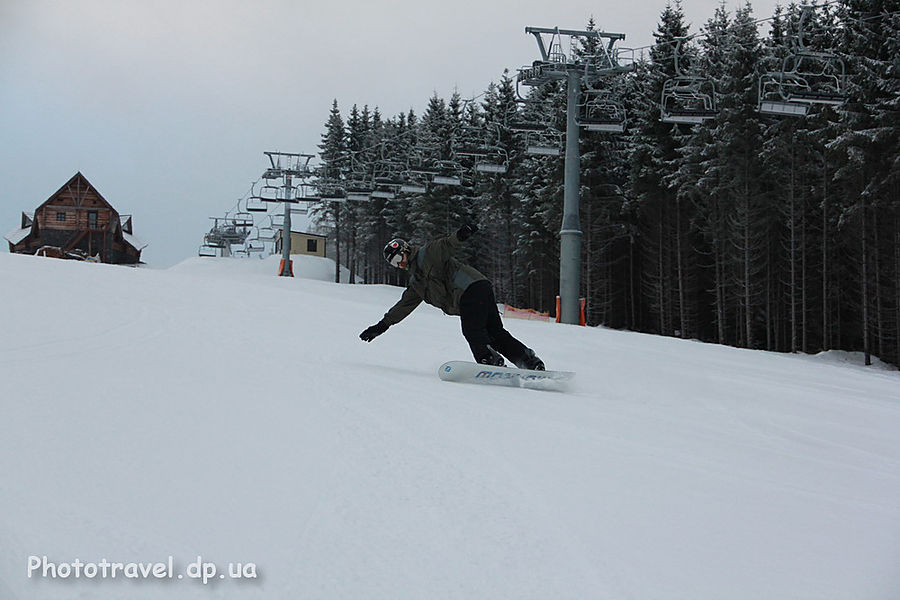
<point x="491" y="357"/>
<point x="531" y="361"/>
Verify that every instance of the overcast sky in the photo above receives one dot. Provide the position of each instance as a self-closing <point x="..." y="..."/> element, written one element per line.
<point x="167" y="106"/>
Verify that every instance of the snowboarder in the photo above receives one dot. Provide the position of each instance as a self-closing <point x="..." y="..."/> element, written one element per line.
<point x="441" y="280"/>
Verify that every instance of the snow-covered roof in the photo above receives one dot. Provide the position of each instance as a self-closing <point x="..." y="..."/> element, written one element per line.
<point x="17" y="235"/>
<point x="136" y="242"/>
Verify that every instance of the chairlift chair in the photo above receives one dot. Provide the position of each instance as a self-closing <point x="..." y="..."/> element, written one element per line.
<point x="543" y="142"/>
<point x="359" y="191"/>
<point x="242" y="219"/>
<point x="685" y="98"/>
<point x="213" y="240"/>
<point x="600" y="112"/>
<point x="496" y="162"/>
<point x="411" y="184"/>
<point x="479" y="149"/>
<point x="413" y="188"/>
<point x="270" y="193"/>
<point x="446" y="180"/>
<point x="806" y="78"/>
<point x="307" y="193"/>
<point x="256" y="204"/>
<point x="424" y="170"/>
<point x="207" y="251"/>
<point x="449" y="173"/>
<point x="255" y="246"/>
<point x="492" y="167"/>
<point x="331" y="192"/>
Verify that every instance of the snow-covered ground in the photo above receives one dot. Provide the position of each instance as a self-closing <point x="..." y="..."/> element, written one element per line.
<point x="216" y="410"/>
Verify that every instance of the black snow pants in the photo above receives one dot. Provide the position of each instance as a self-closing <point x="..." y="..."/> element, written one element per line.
<point x="482" y="327"/>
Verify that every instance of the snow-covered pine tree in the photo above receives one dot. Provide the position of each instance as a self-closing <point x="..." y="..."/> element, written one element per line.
<point x="429" y="211"/>
<point x="869" y="155"/>
<point x="655" y="147"/>
<point x="498" y="193"/>
<point x="604" y="171"/>
<point x="539" y="213"/>
<point x="739" y="142"/>
<point x="332" y="155"/>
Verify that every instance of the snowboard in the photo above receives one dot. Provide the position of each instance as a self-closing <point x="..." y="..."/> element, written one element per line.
<point x="470" y="372"/>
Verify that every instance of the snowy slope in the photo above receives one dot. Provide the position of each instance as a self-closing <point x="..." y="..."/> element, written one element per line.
<point x="214" y="409"/>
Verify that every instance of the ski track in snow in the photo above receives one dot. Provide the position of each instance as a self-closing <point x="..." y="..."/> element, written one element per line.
<point x="213" y="409"/>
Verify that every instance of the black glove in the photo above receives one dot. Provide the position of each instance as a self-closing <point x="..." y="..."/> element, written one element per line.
<point x="374" y="331"/>
<point x="464" y="232"/>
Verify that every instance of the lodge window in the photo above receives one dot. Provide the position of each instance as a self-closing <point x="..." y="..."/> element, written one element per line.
<point x="93" y="220"/>
<point x="60" y="217"/>
<point x="312" y="245"/>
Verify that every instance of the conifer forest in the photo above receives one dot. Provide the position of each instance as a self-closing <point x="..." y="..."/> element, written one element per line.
<point x="757" y="227"/>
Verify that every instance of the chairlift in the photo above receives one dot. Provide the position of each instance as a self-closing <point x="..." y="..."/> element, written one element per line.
<point x="543" y="142"/>
<point x="806" y="78"/>
<point x="412" y="185"/>
<point x="242" y="219"/>
<point x="446" y="180"/>
<point x="207" y="251"/>
<point x="496" y="161"/>
<point x="540" y="138"/>
<point x="424" y="170"/>
<point x="473" y="141"/>
<point x="359" y="186"/>
<point x="413" y="188"/>
<point x="255" y="246"/>
<point x="212" y="240"/>
<point x="450" y="173"/>
<point x="331" y="193"/>
<point x="256" y="204"/>
<point x="267" y="234"/>
<point x="479" y="148"/>
<point x="306" y="193"/>
<point x="329" y="189"/>
<point x="688" y="99"/>
<point x="600" y="112"/>
<point x="486" y="167"/>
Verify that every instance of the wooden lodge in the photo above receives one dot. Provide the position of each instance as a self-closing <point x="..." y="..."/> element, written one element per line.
<point x="78" y="223"/>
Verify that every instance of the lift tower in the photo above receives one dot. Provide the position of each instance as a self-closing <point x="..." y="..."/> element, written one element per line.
<point x="287" y="166"/>
<point x="556" y="64"/>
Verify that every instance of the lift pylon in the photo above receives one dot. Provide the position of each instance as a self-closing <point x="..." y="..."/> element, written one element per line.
<point x="556" y="64"/>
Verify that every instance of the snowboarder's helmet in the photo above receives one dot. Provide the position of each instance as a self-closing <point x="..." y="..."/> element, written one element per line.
<point x="393" y="251"/>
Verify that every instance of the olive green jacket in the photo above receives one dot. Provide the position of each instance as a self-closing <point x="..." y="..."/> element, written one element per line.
<point x="436" y="277"/>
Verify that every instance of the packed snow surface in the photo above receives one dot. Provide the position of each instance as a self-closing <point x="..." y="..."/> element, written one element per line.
<point x="215" y="410"/>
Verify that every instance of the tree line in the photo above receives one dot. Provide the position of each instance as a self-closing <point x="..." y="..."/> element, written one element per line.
<point x="769" y="232"/>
